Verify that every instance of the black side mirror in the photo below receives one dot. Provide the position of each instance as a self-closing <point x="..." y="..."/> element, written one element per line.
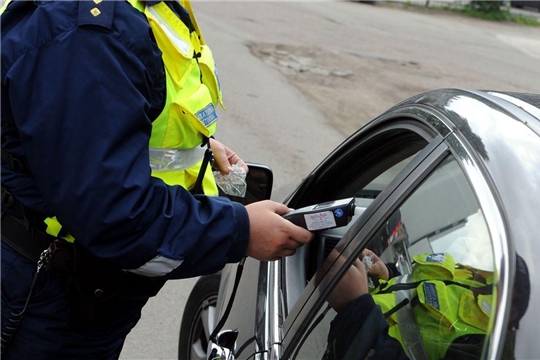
<point x="259" y="182"/>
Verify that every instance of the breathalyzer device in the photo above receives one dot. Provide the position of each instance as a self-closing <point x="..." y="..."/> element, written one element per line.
<point x="323" y="216"/>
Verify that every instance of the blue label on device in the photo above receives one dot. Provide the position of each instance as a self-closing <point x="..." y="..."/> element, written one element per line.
<point x="338" y="213"/>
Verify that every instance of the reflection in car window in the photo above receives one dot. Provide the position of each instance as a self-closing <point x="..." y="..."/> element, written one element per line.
<point x="378" y="184"/>
<point x="421" y="289"/>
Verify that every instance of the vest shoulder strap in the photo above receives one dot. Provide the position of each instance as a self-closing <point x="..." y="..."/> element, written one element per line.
<point x="187" y="5"/>
<point x="388" y="287"/>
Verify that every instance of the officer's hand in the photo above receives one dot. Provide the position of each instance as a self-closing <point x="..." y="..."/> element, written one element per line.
<point x="378" y="269"/>
<point x="225" y="157"/>
<point x="272" y="237"/>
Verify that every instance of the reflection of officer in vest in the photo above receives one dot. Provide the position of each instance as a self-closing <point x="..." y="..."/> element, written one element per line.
<point x="440" y="304"/>
<point x="359" y="327"/>
<point x="426" y="312"/>
<point x="440" y="311"/>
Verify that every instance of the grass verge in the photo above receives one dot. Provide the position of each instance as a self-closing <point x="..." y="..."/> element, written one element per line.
<point x="504" y="14"/>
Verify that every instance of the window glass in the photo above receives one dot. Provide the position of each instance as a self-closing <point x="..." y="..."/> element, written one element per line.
<point x="422" y="288"/>
<point x="364" y="196"/>
<point x="378" y="184"/>
<point x="363" y="173"/>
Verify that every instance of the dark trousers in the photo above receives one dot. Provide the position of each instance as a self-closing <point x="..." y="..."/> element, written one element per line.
<point x="44" y="331"/>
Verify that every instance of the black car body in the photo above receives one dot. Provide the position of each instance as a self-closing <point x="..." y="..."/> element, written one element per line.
<point x="445" y="172"/>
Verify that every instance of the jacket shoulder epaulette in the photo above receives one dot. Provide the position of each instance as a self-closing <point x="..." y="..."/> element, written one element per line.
<point x="97" y="13"/>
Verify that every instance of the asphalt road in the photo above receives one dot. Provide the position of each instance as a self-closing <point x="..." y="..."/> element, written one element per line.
<point x="298" y="78"/>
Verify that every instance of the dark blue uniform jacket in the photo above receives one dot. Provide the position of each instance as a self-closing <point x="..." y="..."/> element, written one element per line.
<point x="79" y="93"/>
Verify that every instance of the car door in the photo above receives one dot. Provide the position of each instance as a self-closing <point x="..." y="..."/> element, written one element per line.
<point x="420" y="193"/>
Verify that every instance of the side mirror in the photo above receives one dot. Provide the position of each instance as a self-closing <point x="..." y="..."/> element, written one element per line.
<point x="259" y="182"/>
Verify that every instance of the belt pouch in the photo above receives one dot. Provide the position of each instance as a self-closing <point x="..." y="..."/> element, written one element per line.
<point x="94" y="284"/>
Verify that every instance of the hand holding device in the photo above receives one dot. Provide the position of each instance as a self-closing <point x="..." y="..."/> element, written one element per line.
<point x="323" y="216"/>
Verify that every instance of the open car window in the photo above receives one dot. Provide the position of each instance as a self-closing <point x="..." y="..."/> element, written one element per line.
<point x="369" y="168"/>
<point x="381" y="181"/>
<point x="362" y="172"/>
<point x="423" y="287"/>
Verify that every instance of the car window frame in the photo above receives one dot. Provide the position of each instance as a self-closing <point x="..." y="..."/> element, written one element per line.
<point x="385" y="204"/>
<point x="314" y="294"/>
<point x="425" y="124"/>
<point x="503" y="248"/>
<point x="307" y="193"/>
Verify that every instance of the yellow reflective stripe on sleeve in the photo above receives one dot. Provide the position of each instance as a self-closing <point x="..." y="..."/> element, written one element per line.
<point x="54" y="227"/>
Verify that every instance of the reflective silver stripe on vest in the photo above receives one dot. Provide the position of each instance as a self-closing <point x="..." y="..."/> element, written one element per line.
<point x="176" y="39"/>
<point x="172" y="159"/>
<point x="158" y="266"/>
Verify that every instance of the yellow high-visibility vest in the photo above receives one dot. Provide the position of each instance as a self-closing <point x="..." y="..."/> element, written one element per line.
<point x="193" y="92"/>
<point x="444" y="301"/>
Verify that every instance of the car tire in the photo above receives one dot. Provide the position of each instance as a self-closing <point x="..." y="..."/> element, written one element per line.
<point x="198" y="320"/>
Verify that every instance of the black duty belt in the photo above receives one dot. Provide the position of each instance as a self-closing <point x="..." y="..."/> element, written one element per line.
<point x="28" y="241"/>
<point x="94" y="277"/>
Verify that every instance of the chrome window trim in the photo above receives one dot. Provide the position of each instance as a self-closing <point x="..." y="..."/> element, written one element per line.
<point x="492" y="210"/>
<point x="425" y="115"/>
<point x="272" y="327"/>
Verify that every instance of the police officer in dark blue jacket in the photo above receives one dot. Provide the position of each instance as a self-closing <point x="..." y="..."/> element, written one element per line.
<point x="79" y="94"/>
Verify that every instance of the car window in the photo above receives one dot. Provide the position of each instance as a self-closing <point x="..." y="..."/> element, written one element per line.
<point x="374" y="187"/>
<point x="362" y="172"/>
<point x="367" y="171"/>
<point x="364" y="196"/>
<point x="422" y="288"/>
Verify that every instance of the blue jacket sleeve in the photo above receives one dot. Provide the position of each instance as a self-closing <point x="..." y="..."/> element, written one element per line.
<point x="360" y="329"/>
<point x="80" y="98"/>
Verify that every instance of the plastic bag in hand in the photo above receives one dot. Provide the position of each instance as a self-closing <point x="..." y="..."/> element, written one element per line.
<point x="234" y="183"/>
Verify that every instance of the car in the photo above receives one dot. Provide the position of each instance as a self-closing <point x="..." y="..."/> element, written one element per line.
<point x="446" y="194"/>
